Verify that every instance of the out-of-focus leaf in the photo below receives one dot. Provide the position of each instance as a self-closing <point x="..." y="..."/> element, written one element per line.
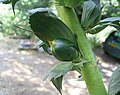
<point x="91" y="14"/>
<point x="81" y="1"/>
<point x="6" y="1"/>
<point x="47" y="27"/>
<point x="13" y="5"/>
<point x="100" y="27"/>
<point x="114" y="84"/>
<point x="69" y="3"/>
<point x="117" y="26"/>
<point x="118" y="93"/>
<point x="9" y="1"/>
<point x="96" y="29"/>
<point x="97" y="2"/>
<point x="87" y="11"/>
<point x="111" y="19"/>
<point x="114" y="21"/>
<point x="58" y="83"/>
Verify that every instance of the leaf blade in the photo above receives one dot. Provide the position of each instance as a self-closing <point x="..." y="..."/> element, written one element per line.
<point x="13" y="5"/>
<point x="58" y="83"/>
<point x="59" y="70"/>
<point x="48" y="27"/>
<point x="114" y="84"/>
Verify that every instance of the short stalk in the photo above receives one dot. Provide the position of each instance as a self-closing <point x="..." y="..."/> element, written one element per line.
<point x="90" y="70"/>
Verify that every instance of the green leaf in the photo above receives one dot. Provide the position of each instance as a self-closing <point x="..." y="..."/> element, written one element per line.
<point x="111" y="19"/>
<point x="62" y="68"/>
<point x="58" y="83"/>
<point x="114" y="84"/>
<point x="70" y="3"/>
<point x="46" y="47"/>
<point x="13" y="5"/>
<point x="91" y="14"/>
<point x="100" y="27"/>
<point x="56" y="74"/>
<point x="114" y="21"/>
<point x="47" y="27"/>
<point x="59" y="70"/>
<point x="87" y="11"/>
<point x="116" y="25"/>
<point x="97" y="2"/>
<point x="97" y="29"/>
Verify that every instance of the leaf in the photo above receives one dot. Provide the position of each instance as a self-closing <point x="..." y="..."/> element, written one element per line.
<point x="91" y="14"/>
<point x="47" y="27"/>
<point x="111" y="19"/>
<point x="100" y="27"/>
<point x="77" y="66"/>
<point x="13" y="5"/>
<point x="116" y="25"/>
<point x="97" y="29"/>
<point x="58" y="83"/>
<point x="87" y="11"/>
<point x="114" y="84"/>
<point x="56" y="74"/>
<point x="46" y="48"/>
<point x="59" y="70"/>
<point x="97" y="2"/>
<point x="69" y="3"/>
<point x="9" y="1"/>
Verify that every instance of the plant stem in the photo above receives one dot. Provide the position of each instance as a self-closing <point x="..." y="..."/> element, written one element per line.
<point x="90" y="70"/>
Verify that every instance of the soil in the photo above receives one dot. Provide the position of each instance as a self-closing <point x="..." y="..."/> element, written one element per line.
<point x="22" y="71"/>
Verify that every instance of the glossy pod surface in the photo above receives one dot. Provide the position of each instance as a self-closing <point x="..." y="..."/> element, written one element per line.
<point x="64" y="50"/>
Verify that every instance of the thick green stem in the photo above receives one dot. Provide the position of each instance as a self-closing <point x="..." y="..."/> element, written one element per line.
<point x="90" y="70"/>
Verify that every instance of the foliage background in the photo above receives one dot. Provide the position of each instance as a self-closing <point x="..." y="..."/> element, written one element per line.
<point x="8" y="20"/>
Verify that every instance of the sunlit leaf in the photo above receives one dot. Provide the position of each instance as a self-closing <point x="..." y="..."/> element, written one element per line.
<point x="114" y="84"/>
<point x="111" y="19"/>
<point x="114" y="21"/>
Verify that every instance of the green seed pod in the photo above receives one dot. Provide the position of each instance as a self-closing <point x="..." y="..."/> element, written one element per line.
<point x="64" y="50"/>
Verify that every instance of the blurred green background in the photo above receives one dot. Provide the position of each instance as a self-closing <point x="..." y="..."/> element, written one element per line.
<point x="8" y="20"/>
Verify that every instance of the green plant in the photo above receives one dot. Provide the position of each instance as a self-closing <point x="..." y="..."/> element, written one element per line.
<point x="21" y="16"/>
<point x="67" y="37"/>
<point x="111" y="8"/>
